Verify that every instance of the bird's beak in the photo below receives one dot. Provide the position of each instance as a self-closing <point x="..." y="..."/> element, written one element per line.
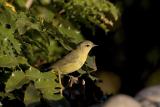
<point x="95" y="45"/>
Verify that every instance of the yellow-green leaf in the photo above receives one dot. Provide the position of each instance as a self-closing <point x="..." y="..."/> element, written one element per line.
<point x="16" y="81"/>
<point x="31" y="95"/>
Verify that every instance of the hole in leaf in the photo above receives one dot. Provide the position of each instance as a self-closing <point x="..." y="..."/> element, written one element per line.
<point x="57" y="87"/>
<point x="56" y="93"/>
<point x="8" y="26"/>
<point x="56" y="80"/>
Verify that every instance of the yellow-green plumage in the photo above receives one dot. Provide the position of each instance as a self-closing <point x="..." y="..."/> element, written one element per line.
<point x="75" y="59"/>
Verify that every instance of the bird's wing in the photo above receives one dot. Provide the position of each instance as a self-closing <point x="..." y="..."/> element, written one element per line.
<point x="69" y="58"/>
<point x="69" y="68"/>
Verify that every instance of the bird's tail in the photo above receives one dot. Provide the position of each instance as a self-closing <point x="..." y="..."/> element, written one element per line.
<point x="46" y="67"/>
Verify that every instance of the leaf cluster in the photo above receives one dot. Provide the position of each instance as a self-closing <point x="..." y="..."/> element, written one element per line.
<point x="42" y="32"/>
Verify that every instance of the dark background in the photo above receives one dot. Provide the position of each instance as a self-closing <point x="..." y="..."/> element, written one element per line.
<point x="140" y="34"/>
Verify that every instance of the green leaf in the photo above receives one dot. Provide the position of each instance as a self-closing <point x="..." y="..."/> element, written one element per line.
<point x="68" y="33"/>
<point x="47" y="80"/>
<point x="8" y="41"/>
<point x="91" y="63"/>
<point x="67" y="29"/>
<point x="23" y="24"/>
<point x="54" y="50"/>
<point x="49" y="95"/>
<point x="33" y="74"/>
<point x="44" y="13"/>
<point x="31" y="95"/>
<point x="22" y="60"/>
<point x="92" y="13"/>
<point x="89" y="66"/>
<point x="8" y="17"/>
<point x="16" y="81"/>
<point x="8" y="61"/>
<point x="47" y="84"/>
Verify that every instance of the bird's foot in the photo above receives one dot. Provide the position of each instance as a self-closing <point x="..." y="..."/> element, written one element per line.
<point x="73" y="80"/>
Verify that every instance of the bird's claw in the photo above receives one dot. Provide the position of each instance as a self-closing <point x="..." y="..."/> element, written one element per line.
<point x="73" y="80"/>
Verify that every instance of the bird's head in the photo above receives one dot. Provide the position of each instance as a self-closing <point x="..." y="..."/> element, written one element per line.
<point x="86" y="46"/>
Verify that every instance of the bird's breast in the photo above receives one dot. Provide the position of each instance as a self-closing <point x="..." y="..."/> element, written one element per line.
<point x="82" y="59"/>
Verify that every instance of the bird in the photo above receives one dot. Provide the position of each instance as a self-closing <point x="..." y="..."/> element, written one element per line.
<point x="74" y="60"/>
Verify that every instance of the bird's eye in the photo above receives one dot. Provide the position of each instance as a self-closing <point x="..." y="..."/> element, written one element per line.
<point x="87" y="45"/>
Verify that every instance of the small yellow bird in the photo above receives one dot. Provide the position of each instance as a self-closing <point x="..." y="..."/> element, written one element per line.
<point x="74" y="60"/>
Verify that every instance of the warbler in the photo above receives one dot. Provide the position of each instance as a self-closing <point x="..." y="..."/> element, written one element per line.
<point x="74" y="60"/>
